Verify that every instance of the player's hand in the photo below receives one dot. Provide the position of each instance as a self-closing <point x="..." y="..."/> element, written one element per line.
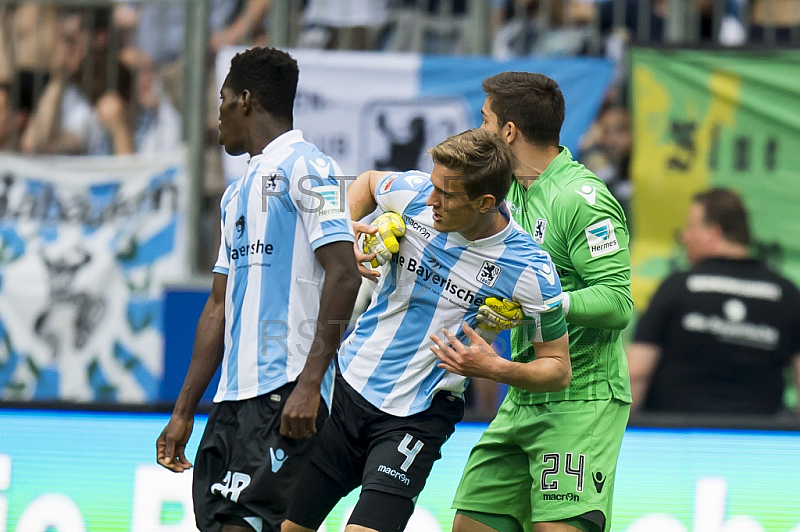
<point x="497" y="315"/>
<point x="385" y="243"/>
<point x="299" y="419"/>
<point x="361" y="257"/>
<point x="475" y="360"/>
<point x="171" y="444"/>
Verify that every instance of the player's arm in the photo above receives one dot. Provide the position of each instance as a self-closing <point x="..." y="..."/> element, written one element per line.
<point x="606" y="301"/>
<point x="206" y="358"/>
<point x="335" y="307"/>
<point x="361" y="200"/>
<point x="361" y="194"/>
<point x="642" y="361"/>
<point x="43" y="133"/>
<point x="551" y="371"/>
<point x="650" y="337"/>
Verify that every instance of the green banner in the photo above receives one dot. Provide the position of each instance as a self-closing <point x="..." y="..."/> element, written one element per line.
<point x="714" y="118"/>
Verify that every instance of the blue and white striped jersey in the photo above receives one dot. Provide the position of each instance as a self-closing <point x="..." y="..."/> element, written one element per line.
<point x="436" y="280"/>
<point x="288" y="204"/>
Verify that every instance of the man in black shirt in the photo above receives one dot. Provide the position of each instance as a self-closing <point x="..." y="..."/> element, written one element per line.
<point x="716" y="339"/>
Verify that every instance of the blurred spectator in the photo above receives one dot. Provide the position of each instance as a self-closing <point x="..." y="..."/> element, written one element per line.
<point x="59" y="123"/>
<point x="27" y="38"/>
<point x="533" y="27"/>
<point x="606" y="150"/>
<point x="159" y="27"/>
<point x="343" y="24"/>
<point x="9" y="121"/>
<point x="717" y="339"/>
<point x="156" y="122"/>
<point x="137" y="119"/>
<point x="780" y="16"/>
<point x="107" y="114"/>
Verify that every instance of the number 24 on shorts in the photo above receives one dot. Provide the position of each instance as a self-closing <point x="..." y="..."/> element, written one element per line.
<point x="554" y="459"/>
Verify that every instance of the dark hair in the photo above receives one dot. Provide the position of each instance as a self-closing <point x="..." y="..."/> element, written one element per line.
<point x="533" y="102"/>
<point x="724" y="207"/>
<point x="482" y="158"/>
<point x="271" y="77"/>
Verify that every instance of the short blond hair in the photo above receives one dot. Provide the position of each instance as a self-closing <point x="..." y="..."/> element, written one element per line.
<point x="481" y="158"/>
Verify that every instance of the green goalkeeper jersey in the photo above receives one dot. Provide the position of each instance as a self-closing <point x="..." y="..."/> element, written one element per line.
<point x="571" y="214"/>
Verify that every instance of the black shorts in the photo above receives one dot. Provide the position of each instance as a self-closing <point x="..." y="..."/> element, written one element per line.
<point x="244" y="467"/>
<point x="361" y="445"/>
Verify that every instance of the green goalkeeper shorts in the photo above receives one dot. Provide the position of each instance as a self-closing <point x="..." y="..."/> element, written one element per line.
<point x="546" y="462"/>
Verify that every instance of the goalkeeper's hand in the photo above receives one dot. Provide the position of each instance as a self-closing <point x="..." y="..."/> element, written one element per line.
<point x="384" y="243"/>
<point x="497" y="315"/>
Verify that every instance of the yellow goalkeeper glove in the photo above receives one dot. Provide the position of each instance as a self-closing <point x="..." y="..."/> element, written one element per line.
<point x="497" y="315"/>
<point x="384" y="243"/>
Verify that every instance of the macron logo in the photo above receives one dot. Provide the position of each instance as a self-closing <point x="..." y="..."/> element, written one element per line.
<point x="588" y="193"/>
<point x="547" y="272"/>
<point x="277" y="459"/>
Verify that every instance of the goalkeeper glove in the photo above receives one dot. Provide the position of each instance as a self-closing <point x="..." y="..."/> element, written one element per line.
<point x="497" y="315"/>
<point x="384" y="243"/>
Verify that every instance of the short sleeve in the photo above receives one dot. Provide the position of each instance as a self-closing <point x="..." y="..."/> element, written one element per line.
<point x="397" y="191"/>
<point x="538" y="288"/>
<point x="321" y="200"/>
<point x="223" y="263"/>
<point x="538" y="291"/>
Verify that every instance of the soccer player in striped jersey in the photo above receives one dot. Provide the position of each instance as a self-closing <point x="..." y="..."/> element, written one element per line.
<point x="395" y="406"/>
<point x="284" y="285"/>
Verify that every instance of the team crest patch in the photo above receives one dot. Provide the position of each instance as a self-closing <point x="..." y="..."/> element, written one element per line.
<point x="601" y="238"/>
<point x="538" y="231"/>
<point x="271" y="182"/>
<point x="489" y="273"/>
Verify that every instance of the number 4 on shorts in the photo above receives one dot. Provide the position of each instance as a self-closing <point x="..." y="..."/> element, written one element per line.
<point x="569" y="468"/>
<point x="409" y="453"/>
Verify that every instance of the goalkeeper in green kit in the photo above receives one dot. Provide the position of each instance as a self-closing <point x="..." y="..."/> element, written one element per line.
<point x="547" y="462"/>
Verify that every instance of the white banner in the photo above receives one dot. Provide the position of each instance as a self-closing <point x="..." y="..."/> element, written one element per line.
<point x="365" y="110"/>
<point x="86" y="245"/>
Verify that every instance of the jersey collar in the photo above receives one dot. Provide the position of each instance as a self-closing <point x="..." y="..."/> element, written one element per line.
<point x="456" y="238"/>
<point x="282" y="141"/>
<point x="561" y="160"/>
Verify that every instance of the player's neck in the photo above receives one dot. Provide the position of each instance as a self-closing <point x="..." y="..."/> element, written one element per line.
<point x="487" y="225"/>
<point x="724" y="250"/>
<point x="264" y="132"/>
<point x="732" y="250"/>
<point x="532" y="161"/>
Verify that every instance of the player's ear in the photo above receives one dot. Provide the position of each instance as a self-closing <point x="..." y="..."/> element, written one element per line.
<point x="486" y="203"/>
<point x="245" y="101"/>
<point x="509" y="132"/>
